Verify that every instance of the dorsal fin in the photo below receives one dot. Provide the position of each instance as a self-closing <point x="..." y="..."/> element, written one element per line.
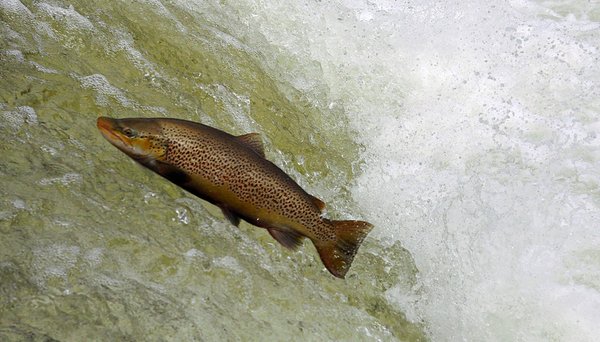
<point x="320" y="204"/>
<point x="253" y="141"/>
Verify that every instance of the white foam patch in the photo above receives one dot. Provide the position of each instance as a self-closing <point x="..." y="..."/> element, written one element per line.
<point x="49" y="149"/>
<point x="160" y="9"/>
<point x="19" y="204"/>
<point x="72" y="19"/>
<point x="43" y="69"/>
<point x="94" y="256"/>
<point x="194" y="253"/>
<point x="125" y="43"/>
<point x="104" y="90"/>
<point x="53" y="261"/>
<point x="156" y="109"/>
<point x="66" y="179"/>
<point x="236" y="105"/>
<point x="46" y="29"/>
<point x="182" y="215"/>
<point x="12" y="38"/>
<point x="220" y="17"/>
<point x="15" y="54"/>
<point x="16" y="7"/>
<point x="19" y="117"/>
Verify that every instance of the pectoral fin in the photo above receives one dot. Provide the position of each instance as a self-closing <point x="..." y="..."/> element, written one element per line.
<point x="233" y="218"/>
<point x="288" y="239"/>
<point x="170" y="172"/>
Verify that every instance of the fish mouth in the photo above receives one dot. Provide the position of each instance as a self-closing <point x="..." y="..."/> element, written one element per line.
<point x="111" y="131"/>
<point x="107" y="128"/>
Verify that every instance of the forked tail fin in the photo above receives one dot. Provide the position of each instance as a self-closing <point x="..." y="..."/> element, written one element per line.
<point x="337" y="255"/>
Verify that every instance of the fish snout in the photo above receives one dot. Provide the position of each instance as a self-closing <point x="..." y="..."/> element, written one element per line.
<point x="108" y="128"/>
<point x="139" y="148"/>
<point x="104" y="123"/>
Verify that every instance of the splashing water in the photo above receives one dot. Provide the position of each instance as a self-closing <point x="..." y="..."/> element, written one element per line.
<point x="467" y="132"/>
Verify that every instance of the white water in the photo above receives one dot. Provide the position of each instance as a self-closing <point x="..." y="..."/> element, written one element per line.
<point x="480" y="129"/>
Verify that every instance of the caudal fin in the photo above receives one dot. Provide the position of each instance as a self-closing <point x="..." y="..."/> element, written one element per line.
<point x="337" y="255"/>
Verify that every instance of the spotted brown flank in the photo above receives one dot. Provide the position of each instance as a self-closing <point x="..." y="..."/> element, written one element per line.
<point x="233" y="173"/>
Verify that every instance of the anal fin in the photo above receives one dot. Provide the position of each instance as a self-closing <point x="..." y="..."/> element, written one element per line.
<point x="288" y="239"/>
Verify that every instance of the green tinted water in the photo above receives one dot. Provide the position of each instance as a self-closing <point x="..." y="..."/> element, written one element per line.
<point x="95" y="247"/>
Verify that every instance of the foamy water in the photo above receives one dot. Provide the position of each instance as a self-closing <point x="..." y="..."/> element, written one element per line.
<point x="477" y="140"/>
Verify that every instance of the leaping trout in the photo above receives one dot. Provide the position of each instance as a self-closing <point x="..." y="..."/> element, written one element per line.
<point x="232" y="173"/>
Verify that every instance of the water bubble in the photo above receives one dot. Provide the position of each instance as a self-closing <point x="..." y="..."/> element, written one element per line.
<point x="182" y="215"/>
<point x="149" y="197"/>
<point x="94" y="256"/>
<point x="20" y="116"/>
<point x="104" y="90"/>
<point x="50" y="150"/>
<point x="193" y="253"/>
<point x="16" y="54"/>
<point x="66" y="179"/>
<point x="69" y="16"/>
<point x="19" y="203"/>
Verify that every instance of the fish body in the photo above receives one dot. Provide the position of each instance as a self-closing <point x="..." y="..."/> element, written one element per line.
<point x="232" y="173"/>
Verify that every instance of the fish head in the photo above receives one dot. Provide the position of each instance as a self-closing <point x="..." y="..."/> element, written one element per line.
<point x="141" y="139"/>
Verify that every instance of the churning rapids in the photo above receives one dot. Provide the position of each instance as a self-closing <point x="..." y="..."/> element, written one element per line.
<point x="467" y="132"/>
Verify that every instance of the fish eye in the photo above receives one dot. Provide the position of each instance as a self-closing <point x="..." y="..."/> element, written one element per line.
<point x="130" y="133"/>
